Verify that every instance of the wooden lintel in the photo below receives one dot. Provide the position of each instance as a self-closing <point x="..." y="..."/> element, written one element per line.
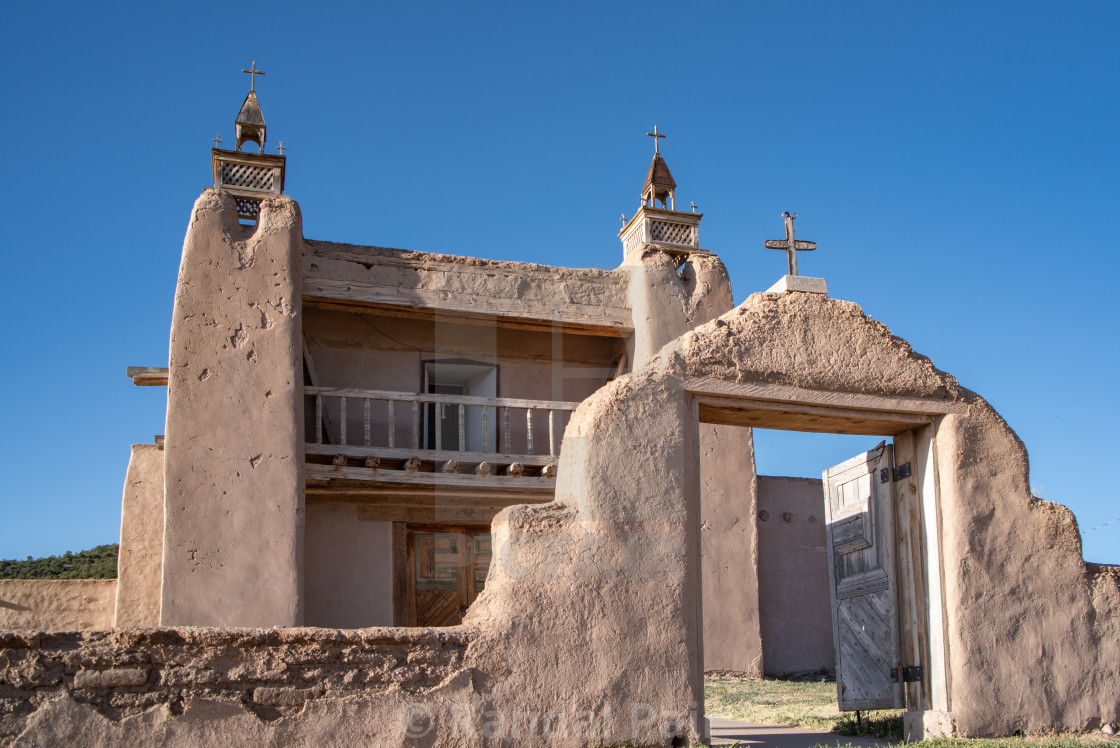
<point x="707" y="388"/>
<point x="791" y="417"/>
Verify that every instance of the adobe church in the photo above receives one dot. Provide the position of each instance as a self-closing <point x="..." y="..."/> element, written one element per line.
<point x="399" y="492"/>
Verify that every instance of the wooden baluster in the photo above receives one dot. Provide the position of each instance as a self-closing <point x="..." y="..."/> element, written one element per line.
<point x="528" y="430"/>
<point x="485" y="435"/>
<point x="462" y="428"/>
<point x="505" y="431"/>
<point x="552" y="433"/>
<point x="415" y="425"/>
<point x="342" y="419"/>
<point x="365" y="419"/>
<point x="439" y="413"/>
<point x="392" y="423"/>
<point x="318" y="419"/>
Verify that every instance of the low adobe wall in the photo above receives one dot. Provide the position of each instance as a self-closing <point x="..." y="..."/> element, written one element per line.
<point x="194" y="686"/>
<point x="57" y="604"/>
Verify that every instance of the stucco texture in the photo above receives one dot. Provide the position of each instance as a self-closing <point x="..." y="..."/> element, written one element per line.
<point x="233" y="443"/>
<point x="140" y="558"/>
<point x="57" y="604"/>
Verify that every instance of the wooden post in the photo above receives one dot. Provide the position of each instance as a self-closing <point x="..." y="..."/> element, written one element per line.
<point x="438" y="413"/>
<point x="529" y="431"/>
<point x="911" y="583"/>
<point x="392" y="423"/>
<point x="505" y="431"/>
<point x="342" y="418"/>
<point x="552" y="433"/>
<point x="365" y="419"/>
<point x="318" y="419"/>
<point x="415" y="425"/>
<point x="462" y="428"/>
<point x="485" y="435"/>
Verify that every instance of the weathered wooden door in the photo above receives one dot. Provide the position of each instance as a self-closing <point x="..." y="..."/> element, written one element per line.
<point x="857" y="496"/>
<point x="447" y="569"/>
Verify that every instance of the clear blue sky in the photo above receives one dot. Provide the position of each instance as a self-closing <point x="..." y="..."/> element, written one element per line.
<point x="955" y="161"/>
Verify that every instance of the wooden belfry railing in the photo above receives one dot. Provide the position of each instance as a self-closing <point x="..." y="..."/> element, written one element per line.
<point x="382" y="415"/>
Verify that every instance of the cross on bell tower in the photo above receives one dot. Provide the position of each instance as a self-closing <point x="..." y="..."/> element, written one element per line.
<point x="249" y="176"/>
<point x="663" y="228"/>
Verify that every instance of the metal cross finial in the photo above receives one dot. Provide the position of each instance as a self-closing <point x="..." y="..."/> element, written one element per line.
<point x="622" y="218"/>
<point x="217" y="140"/>
<point x="280" y="147"/>
<point x="253" y="73"/>
<point x="791" y="245"/>
<point x="693" y="205"/>
<point x="656" y="137"/>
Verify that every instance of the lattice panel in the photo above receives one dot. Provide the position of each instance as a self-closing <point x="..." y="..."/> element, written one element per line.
<point x="632" y="240"/>
<point x="247" y="207"/>
<point x="671" y="233"/>
<point x="249" y="177"/>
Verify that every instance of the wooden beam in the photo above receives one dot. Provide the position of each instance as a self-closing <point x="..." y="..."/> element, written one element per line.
<point x="426" y="397"/>
<point x="568" y="327"/>
<point x="449" y="481"/>
<point x="430" y="455"/>
<point x="793" y="417"/>
<point x="148" y="376"/>
<point x="719" y="388"/>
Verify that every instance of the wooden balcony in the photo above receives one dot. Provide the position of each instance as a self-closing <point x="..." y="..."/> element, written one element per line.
<point x="374" y="441"/>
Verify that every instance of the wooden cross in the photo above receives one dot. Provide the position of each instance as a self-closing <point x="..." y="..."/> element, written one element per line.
<point x="281" y="147"/>
<point x="789" y="244"/>
<point x="217" y="140"/>
<point x="253" y="73"/>
<point x="656" y="136"/>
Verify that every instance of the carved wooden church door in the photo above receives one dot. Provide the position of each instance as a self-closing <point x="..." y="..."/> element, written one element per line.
<point x="861" y="571"/>
<point x="447" y="569"/>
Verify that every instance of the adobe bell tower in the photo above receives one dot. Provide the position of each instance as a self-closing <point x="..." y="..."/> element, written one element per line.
<point x="249" y="176"/>
<point x="665" y="228"/>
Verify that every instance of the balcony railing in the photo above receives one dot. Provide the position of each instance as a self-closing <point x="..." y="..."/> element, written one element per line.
<point x="399" y="425"/>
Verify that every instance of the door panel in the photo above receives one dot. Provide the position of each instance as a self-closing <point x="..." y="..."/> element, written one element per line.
<point x="857" y="496"/>
<point x="447" y="568"/>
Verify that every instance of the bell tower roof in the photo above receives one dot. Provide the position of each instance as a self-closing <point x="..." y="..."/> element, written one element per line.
<point x="249" y="177"/>
<point x="659" y="179"/>
<point x="250" y="113"/>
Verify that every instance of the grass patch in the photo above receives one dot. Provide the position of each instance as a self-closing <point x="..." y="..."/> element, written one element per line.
<point x="808" y="702"/>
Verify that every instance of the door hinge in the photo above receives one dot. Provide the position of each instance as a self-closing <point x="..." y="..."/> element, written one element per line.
<point x="911" y="674"/>
<point x="902" y="471"/>
<point x="884" y="475"/>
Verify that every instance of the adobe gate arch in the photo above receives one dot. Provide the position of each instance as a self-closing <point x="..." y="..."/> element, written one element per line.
<point x="1009" y="598"/>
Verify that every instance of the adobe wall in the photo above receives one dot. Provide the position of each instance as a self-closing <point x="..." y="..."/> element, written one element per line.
<point x="466" y="286"/>
<point x="1031" y="626"/>
<point x="793" y="597"/>
<point x="56" y="604"/>
<point x="348" y="568"/>
<point x="214" y="686"/>
<point x="666" y="301"/>
<point x="140" y="557"/>
<point x="233" y="442"/>
<point x="729" y="551"/>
